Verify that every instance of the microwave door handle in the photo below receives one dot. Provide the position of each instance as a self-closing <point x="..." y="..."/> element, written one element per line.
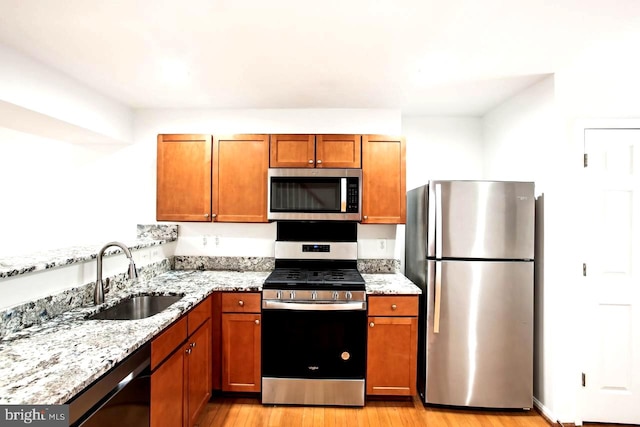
<point x="343" y="194"/>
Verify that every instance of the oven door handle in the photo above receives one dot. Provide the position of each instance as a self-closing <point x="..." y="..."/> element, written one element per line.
<point x="315" y="306"/>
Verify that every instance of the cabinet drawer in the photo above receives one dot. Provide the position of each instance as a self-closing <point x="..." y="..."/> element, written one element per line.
<point x="198" y="315"/>
<point x="169" y="340"/>
<point x="241" y="302"/>
<point x="393" y="305"/>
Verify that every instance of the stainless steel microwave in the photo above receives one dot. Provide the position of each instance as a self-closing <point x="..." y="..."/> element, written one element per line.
<point x="315" y="194"/>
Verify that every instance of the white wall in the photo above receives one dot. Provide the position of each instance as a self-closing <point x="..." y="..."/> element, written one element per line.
<point x="229" y="239"/>
<point x="442" y="148"/>
<point x="57" y="194"/>
<point x="43" y="101"/>
<point x="67" y="178"/>
<point x="525" y="139"/>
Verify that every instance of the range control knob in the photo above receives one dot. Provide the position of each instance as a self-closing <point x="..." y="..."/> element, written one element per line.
<point x="335" y="295"/>
<point x="278" y="294"/>
<point x="348" y="295"/>
<point x="292" y="295"/>
<point x="314" y="295"/>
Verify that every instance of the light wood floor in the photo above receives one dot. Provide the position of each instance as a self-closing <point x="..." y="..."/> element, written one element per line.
<point x="248" y="412"/>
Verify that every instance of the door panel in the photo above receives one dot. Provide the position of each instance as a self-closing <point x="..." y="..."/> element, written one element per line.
<point x="482" y="354"/>
<point x="477" y="219"/>
<point x="612" y="342"/>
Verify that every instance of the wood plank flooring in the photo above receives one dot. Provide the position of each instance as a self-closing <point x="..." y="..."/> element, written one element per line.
<point x="249" y="412"/>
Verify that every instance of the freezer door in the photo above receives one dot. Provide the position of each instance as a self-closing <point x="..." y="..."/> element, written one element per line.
<point x="479" y="339"/>
<point x="481" y="219"/>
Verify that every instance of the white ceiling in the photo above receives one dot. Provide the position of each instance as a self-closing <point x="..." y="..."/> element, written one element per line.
<point x="442" y="57"/>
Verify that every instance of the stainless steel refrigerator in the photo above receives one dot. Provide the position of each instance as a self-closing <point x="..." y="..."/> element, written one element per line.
<point x="470" y="246"/>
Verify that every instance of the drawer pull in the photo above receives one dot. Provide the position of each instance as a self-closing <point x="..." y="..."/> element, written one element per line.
<point x="241" y="303"/>
<point x="372" y="324"/>
<point x="394" y="307"/>
<point x="257" y="322"/>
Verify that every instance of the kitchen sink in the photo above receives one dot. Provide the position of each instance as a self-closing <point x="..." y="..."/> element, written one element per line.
<point x="136" y="307"/>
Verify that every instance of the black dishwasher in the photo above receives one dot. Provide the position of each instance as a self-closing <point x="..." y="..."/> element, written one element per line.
<point x="120" y="397"/>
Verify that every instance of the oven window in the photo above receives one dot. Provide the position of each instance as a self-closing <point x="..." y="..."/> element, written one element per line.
<point x="305" y="194"/>
<point x="314" y="344"/>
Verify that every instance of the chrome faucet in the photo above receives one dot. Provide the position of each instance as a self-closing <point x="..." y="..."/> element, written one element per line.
<point x="98" y="293"/>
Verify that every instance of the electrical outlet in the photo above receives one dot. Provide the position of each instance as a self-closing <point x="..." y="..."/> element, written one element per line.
<point x="205" y="240"/>
<point x="382" y="245"/>
<point x="217" y="240"/>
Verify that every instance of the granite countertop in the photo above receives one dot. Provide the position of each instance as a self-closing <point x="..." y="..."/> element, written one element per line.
<point x="389" y="284"/>
<point x="52" y="362"/>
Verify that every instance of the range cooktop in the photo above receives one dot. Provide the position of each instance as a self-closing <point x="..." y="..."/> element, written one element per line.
<point x="342" y="278"/>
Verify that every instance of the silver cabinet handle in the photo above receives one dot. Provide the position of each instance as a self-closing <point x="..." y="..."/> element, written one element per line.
<point x="319" y="162"/>
<point x="372" y="324"/>
<point x="394" y="307"/>
<point x="241" y="303"/>
<point x="193" y="344"/>
<point x="188" y="351"/>
<point x="438" y="296"/>
<point x="257" y="321"/>
<point x="310" y="162"/>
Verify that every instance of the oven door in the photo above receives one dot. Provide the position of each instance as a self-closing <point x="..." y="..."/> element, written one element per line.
<point x="313" y="357"/>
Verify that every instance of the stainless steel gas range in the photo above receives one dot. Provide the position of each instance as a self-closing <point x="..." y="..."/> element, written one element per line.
<point x="314" y="318"/>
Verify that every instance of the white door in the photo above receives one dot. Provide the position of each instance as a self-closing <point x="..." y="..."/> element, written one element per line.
<point x="612" y="282"/>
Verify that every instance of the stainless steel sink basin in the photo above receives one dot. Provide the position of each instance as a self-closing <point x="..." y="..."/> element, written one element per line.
<point x="136" y="307"/>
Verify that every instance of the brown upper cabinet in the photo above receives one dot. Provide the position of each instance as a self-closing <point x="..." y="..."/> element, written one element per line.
<point x="221" y="179"/>
<point x="315" y="151"/>
<point x="184" y="178"/>
<point x="383" y="180"/>
<point x="241" y="163"/>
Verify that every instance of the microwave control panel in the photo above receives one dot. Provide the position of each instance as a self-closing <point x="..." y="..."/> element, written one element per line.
<point x="353" y="196"/>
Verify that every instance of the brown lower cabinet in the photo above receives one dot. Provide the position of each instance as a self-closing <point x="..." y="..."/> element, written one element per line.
<point x="392" y="345"/>
<point x="241" y="336"/>
<point x="181" y="370"/>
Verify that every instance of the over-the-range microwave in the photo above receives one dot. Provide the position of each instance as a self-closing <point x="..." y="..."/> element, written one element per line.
<point x="315" y="194"/>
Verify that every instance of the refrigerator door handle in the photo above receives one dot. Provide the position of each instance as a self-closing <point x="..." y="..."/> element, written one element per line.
<point x="438" y="224"/>
<point x="437" y="297"/>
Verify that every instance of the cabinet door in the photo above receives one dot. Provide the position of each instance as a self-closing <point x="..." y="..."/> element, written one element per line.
<point x="383" y="174"/>
<point x="292" y="151"/>
<point x="199" y="371"/>
<point x="338" y="151"/>
<point x="240" y="178"/>
<point x="392" y="356"/>
<point x="183" y="178"/>
<point x="167" y="392"/>
<point x="241" y="352"/>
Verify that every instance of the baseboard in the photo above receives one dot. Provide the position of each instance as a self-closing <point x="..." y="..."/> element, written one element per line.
<point x="548" y="415"/>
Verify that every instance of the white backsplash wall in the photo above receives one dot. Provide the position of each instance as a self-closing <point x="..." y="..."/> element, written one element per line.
<point x="226" y="239"/>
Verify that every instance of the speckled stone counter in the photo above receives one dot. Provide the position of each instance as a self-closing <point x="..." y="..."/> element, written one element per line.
<point x="389" y="284"/>
<point x="52" y="362"/>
